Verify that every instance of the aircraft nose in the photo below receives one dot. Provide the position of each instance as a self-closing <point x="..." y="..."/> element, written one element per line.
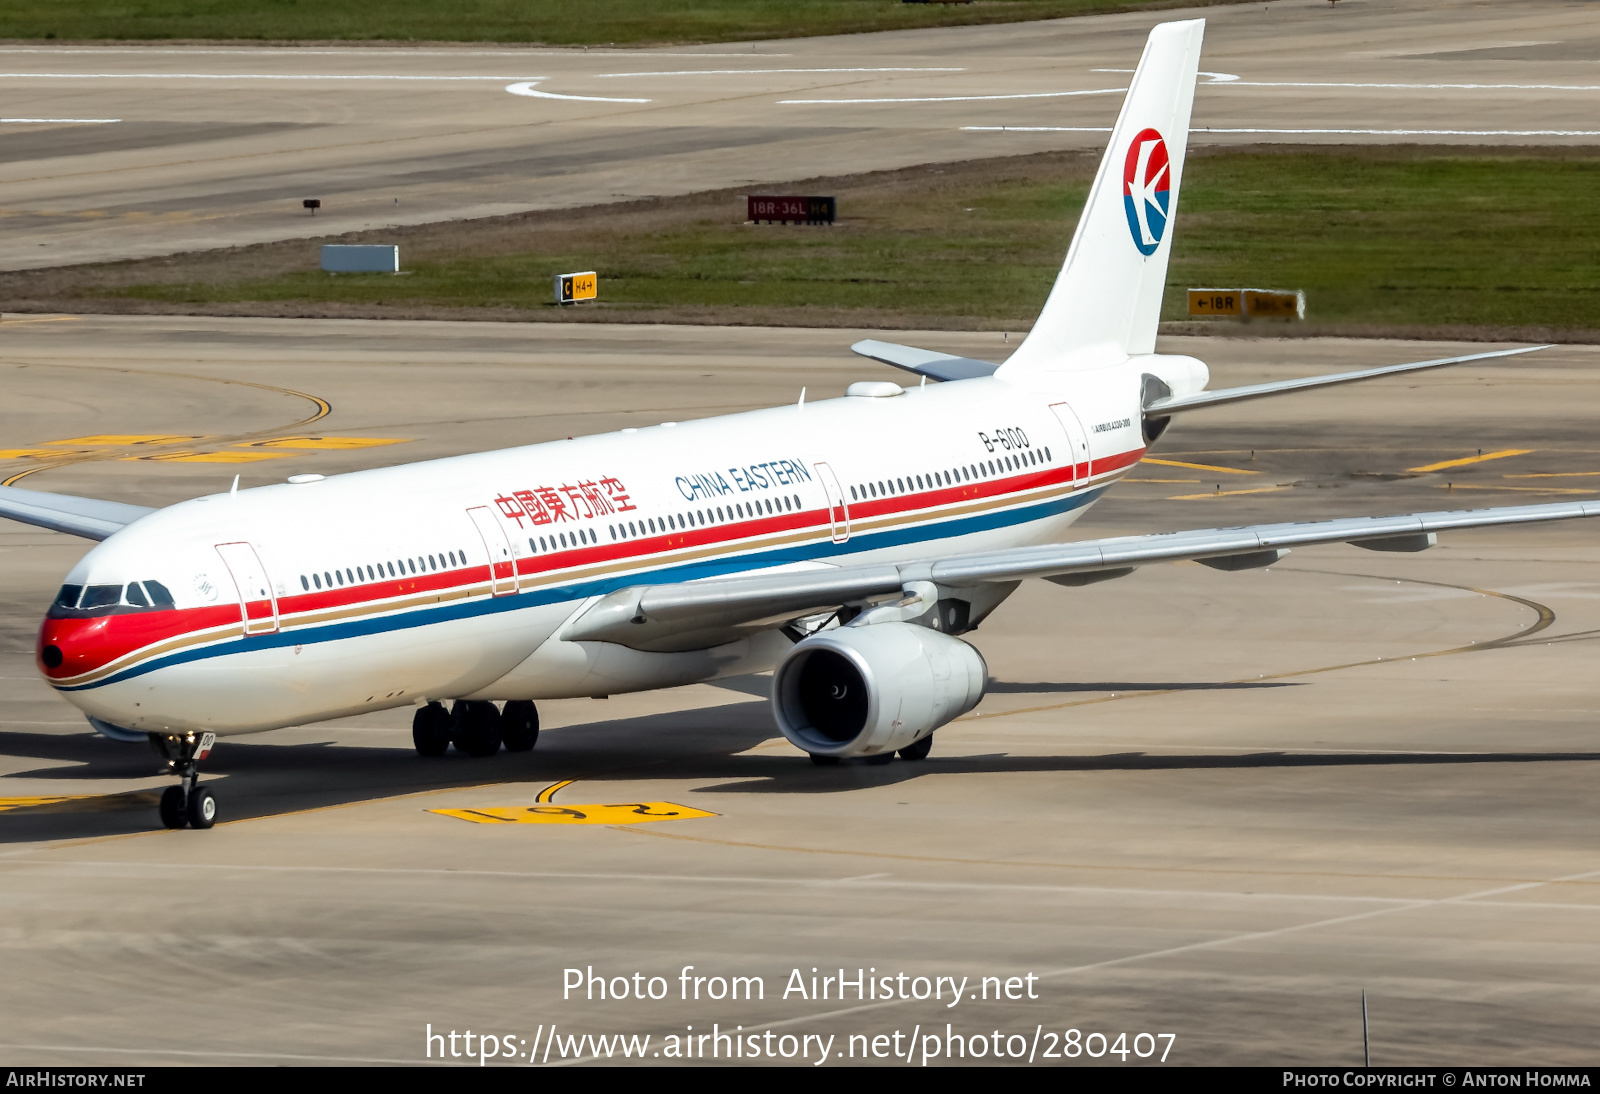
<point x="68" y="647"/>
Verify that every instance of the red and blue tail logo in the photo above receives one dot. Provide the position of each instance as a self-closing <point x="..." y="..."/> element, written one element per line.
<point x="1147" y="190"/>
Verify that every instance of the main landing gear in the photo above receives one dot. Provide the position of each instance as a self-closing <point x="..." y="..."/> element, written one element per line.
<point x="187" y="804"/>
<point x="476" y="727"/>
<point x="916" y="750"/>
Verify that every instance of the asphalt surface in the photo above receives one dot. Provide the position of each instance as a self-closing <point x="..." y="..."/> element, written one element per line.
<point x="1217" y="806"/>
<point x="118" y="152"/>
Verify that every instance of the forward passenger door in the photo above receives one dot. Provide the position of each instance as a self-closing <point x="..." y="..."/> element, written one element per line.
<point x="258" y="606"/>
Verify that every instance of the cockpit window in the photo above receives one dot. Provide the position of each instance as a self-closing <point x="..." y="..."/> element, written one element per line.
<point x="101" y="596"/>
<point x="79" y="602"/>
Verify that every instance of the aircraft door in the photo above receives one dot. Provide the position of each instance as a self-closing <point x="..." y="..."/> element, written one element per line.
<point x="1077" y="442"/>
<point x="502" y="564"/>
<point x="838" y="508"/>
<point x="258" y="607"/>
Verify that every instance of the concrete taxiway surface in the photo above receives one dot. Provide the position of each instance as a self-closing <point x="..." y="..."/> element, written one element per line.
<point x="1211" y="805"/>
<point x="128" y="151"/>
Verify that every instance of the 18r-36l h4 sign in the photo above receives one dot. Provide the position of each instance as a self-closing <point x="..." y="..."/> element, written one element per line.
<point x="790" y="210"/>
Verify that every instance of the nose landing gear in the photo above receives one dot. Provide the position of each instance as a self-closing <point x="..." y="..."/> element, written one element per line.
<point x="187" y="803"/>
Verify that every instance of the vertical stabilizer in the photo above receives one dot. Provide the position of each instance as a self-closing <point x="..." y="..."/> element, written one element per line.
<point x="1107" y="299"/>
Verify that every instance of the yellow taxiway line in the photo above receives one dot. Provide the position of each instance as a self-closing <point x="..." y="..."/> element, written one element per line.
<point x="1465" y="460"/>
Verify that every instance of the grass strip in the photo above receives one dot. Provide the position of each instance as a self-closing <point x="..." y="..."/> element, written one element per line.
<point x="548" y="22"/>
<point x="1433" y="242"/>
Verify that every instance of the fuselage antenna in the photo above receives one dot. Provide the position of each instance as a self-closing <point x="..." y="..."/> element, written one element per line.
<point x="234" y="489"/>
<point x="802" y="404"/>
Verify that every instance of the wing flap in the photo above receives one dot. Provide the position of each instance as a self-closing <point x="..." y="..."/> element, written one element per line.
<point x="663" y="617"/>
<point x="925" y="362"/>
<point x="89" y="518"/>
<point x="1176" y="404"/>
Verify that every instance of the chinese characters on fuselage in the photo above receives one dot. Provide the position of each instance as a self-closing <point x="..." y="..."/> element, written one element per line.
<point x="589" y="499"/>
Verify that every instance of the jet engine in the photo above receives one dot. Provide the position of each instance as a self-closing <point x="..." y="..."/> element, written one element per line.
<point x="864" y="691"/>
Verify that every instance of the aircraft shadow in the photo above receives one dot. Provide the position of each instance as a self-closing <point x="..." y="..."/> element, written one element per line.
<point x="792" y="777"/>
<point x="1005" y="687"/>
<point x="254" y="778"/>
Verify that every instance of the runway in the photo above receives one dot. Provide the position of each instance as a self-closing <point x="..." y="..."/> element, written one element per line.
<point x="1209" y="805"/>
<point x="130" y="151"/>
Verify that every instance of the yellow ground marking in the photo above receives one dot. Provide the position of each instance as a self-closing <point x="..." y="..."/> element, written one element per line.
<point x="7" y="804"/>
<point x="82" y="803"/>
<point x="122" y="440"/>
<point x="49" y="319"/>
<point x="209" y="457"/>
<point x="1514" y="489"/>
<point x="323" y="409"/>
<point x="625" y="813"/>
<point x="1198" y="466"/>
<point x="1442" y="464"/>
<point x="1226" y="493"/>
<point x="1556" y="475"/>
<point x="549" y="792"/>
<point x="1160" y="480"/>
<point x="39" y="453"/>
<point x="327" y="443"/>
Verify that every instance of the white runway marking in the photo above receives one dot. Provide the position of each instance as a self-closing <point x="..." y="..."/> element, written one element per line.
<point x="1306" y="132"/>
<point x="58" y="121"/>
<point x="1215" y="77"/>
<point x="1428" y="87"/>
<point x="527" y="88"/>
<point x="238" y="76"/>
<point x="961" y="98"/>
<point x="1222" y="79"/>
<point x="762" y="71"/>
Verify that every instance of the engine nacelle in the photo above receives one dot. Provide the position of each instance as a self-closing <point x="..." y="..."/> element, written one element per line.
<point x="860" y="691"/>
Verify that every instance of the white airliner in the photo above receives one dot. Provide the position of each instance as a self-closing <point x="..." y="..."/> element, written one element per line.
<point x="843" y="543"/>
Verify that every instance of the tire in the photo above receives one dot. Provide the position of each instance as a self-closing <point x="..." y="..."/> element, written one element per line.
<point x="879" y="760"/>
<point x="918" y="750"/>
<point x="171" y="809"/>
<point x="430" y="730"/>
<point x="202" y="808"/>
<point x="824" y="761"/>
<point x="519" y="725"/>
<point x="475" y="728"/>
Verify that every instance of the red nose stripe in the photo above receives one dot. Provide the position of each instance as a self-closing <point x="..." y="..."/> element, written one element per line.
<point x="88" y="644"/>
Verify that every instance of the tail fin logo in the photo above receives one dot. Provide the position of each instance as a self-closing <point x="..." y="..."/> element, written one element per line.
<point x="1147" y="190"/>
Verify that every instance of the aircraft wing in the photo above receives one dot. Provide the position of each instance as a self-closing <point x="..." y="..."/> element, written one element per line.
<point x="1173" y="404"/>
<point x="925" y="362"/>
<point x="86" y="517"/>
<point x="661" y="617"/>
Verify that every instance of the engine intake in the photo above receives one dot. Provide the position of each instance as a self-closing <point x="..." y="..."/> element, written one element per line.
<point x="859" y="691"/>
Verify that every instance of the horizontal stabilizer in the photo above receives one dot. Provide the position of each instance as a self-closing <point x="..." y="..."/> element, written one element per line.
<point x="935" y="366"/>
<point x="86" y="517"/>
<point x="1174" y="404"/>
<point x="679" y="616"/>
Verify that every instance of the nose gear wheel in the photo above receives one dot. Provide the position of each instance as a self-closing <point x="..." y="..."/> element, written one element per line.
<point x="188" y="804"/>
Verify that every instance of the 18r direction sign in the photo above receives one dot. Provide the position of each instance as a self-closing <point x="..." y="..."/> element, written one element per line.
<point x="790" y="209"/>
